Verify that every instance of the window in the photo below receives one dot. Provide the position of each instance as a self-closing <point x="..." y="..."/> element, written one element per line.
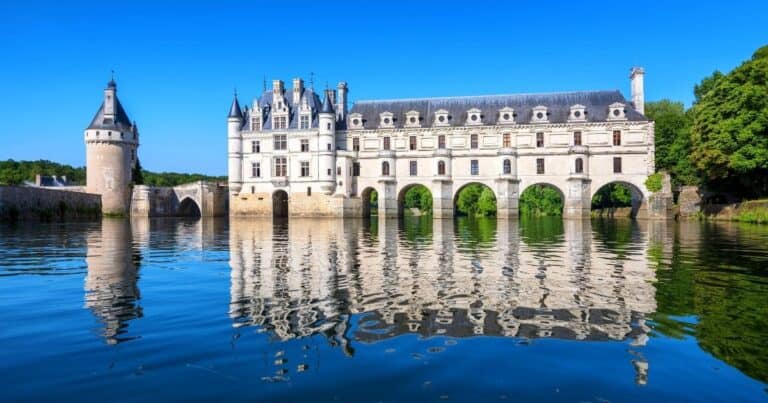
<point x="385" y="168"/>
<point x="253" y="189"/>
<point x="577" y="138"/>
<point x="280" y="122"/>
<point x="329" y="171"/>
<point x="617" y="137"/>
<point x="441" y="141"/>
<point x="133" y="155"/>
<point x="328" y="126"/>
<point x="356" y="144"/>
<point x="507" y="167"/>
<point x="539" y="139"/>
<point x="412" y="142"/>
<point x="304" y="168"/>
<point x="255" y="124"/>
<point x="579" y="166"/>
<point x="412" y="168"/>
<point x="474" y="167"/>
<point x="441" y="167"/>
<point x="505" y="140"/>
<point x="309" y="191"/>
<point x="280" y="142"/>
<point x="386" y="143"/>
<point x="256" y="169"/>
<point x="304" y="145"/>
<point x="355" y="169"/>
<point x="281" y="166"/>
<point x="304" y="122"/>
<point x="255" y="147"/>
<point x="539" y="166"/>
<point x="473" y="141"/>
<point x="328" y="146"/>
<point x="617" y="165"/>
<point x="338" y="171"/>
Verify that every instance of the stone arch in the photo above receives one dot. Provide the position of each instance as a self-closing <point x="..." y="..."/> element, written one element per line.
<point x="551" y="185"/>
<point x="401" y="196"/>
<point x="639" y="198"/>
<point x="464" y="186"/>
<point x="280" y="203"/>
<point x="365" y="197"/>
<point x="189" y="207"/>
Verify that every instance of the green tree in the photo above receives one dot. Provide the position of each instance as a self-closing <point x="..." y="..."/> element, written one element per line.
<point x="137" y="175"/>
<point x="541" y="200"/>
<point x="476" y="200"/>
<point x="612" y="195"/>
<point x="730" y="127"/>
<point x="418" y="197"/>
<point x="673" y="140"/>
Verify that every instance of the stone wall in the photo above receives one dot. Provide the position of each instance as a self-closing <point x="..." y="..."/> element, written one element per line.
<point x="209" y="198"/>
<point x="42" y="204"/>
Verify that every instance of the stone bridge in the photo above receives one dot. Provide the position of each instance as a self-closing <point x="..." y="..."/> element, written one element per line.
<point x="194" y="199"/>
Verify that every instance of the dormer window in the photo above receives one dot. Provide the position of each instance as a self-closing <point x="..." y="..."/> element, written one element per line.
<point x="442" y="118"/>
<point x="617" y="111"/>
<point x="386" y="120"/>
<point x="506" y="116"/>
<point x="280" y="122"/>
<point x="474" y="117"/>
<point x="255" y="123"/>
<point x="412" y="119"/>
<point x="578" y="113"/>
<point x="540" y="114"/>
<point x="304" y="121"/>
<point x="356" y="121"/>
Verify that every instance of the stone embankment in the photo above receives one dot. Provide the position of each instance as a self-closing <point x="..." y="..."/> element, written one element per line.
<point x="19" y="203"/>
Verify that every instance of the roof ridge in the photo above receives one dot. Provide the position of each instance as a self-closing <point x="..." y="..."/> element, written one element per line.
<point x="524" y="94"/>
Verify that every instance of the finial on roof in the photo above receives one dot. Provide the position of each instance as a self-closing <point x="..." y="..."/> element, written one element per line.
<point x="264" y="83"/>
<point x="112" y="83"/>
<point x="312" y="80"/>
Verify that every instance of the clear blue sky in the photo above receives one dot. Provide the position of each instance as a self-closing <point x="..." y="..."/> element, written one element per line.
<point x="177" y="63"/>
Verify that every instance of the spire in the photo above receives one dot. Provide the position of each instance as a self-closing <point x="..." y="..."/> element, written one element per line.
<point x="112" y="84"/>
<point x="327" y="104"/>
<point x="234" y="111"/>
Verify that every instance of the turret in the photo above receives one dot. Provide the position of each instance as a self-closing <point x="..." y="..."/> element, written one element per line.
<point x="111" y="146"/>
<point x="234" y="147"/>
<point x="327" y="134"/>
<point x="636" y="76"/>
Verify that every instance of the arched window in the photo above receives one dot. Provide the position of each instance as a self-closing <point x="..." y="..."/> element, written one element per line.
<point x="579" y="166"/>
<point x="441" y="167"/>
<point x="385" y="168"/>
<point x="507" y="167"/>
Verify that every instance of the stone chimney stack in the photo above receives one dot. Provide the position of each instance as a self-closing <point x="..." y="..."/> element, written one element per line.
<point x="298" y="87"/>
<point x="277" y="87"/>
<point x="638" y="93"/>
<point x="341" y="106"/>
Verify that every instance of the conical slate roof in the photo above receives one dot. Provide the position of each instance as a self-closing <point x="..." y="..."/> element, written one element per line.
<point x="121" y="120"/>
<point x="234" y="111"/>
<point x="327" y="104"/>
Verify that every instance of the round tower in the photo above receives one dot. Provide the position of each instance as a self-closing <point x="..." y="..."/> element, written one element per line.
<point x="111" y="145"/>
<point x="235" y="147"/>
<point x="327" y="152"/>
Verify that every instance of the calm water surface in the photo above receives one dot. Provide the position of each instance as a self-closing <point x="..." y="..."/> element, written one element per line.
<point x="416" y="310"/>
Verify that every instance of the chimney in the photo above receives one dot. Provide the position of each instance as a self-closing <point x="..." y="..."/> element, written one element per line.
<point x="341" y="106"/>
<point x="638" y="94"/>
<point x="38" y="180"/>
<point x="298" y="87"/>
<point x="277" y="87"/>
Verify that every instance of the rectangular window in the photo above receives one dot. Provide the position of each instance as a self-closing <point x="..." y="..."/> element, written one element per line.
<point x="280" y="122"/>
<point x="355" y="169"/>
<point x="304" y="168"/>
<point x="253" y="189"/>
<point x="473" y="141"/>
<point x="281" y="166"/>
<point x="255" y="124"/>
<point x="577" y="138"/>
<point x="413" y="168"/>
<point x="441" y="142"/>
<point x="281" y="143"/>
<point x="304" y="122"/>
<point x="617" y="165"/>
<point x="309" y="191"/>
<point x="539" y="139"/>
<point x="356" y="144"/>
<point x="253" y="146"/>
<point x="412" y="142"/>
<point x="386" y="143"/>
<point x="540" y="166"/>
<point x="256" y="170"/>
<point x="505" y="141"/>
<point x="329" y="146"/>
<point x="304" y="145"/>
<point x="474" y="167"/>
<point x="617" y="137"/>
<point x="256" y="146"/>
<point x="330" y="171"/>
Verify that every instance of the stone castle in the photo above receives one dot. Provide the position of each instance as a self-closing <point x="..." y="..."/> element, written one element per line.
<point x="296" y="152"/>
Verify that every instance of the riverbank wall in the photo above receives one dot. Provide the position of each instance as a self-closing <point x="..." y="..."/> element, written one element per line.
<point x="20" y="203"/>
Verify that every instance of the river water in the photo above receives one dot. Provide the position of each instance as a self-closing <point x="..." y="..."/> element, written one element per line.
<point x="384" y="311"/>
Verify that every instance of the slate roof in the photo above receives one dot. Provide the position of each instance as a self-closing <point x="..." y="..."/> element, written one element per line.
<point x="120" y="123"/>
<point x="313" y="100"/>
<point x="558" y="106"/>
<point x="327" y="104"/>
<point x="234" y="110"/>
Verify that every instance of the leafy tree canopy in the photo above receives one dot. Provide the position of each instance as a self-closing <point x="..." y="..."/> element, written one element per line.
<point x="541" y="200"/>
<point x="476" y="200"/>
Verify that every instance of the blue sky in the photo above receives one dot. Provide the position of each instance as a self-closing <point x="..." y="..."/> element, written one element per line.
<point x="176" y="63"/>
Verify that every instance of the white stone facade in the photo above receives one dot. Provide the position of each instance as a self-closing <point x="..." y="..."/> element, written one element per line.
<point x="575" y="142"/>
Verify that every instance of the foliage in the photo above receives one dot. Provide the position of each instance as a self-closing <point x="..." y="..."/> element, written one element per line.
<point x="612" y="195"/>
<point x="729" y="135"/>
<point x="673" y="141"/>
<point x="476" y="200"/>
<point x="418" y="197"/>
<point x="374" y="201"/>
<point x="654" y="182"/>
<point x="137" y="175"/>
<point x="541" y="200"/>
<point x="756" y="215"/>
<point x="16" y="172"/>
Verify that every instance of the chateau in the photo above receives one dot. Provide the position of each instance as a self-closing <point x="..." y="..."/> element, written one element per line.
<point x="300" y="153"/>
